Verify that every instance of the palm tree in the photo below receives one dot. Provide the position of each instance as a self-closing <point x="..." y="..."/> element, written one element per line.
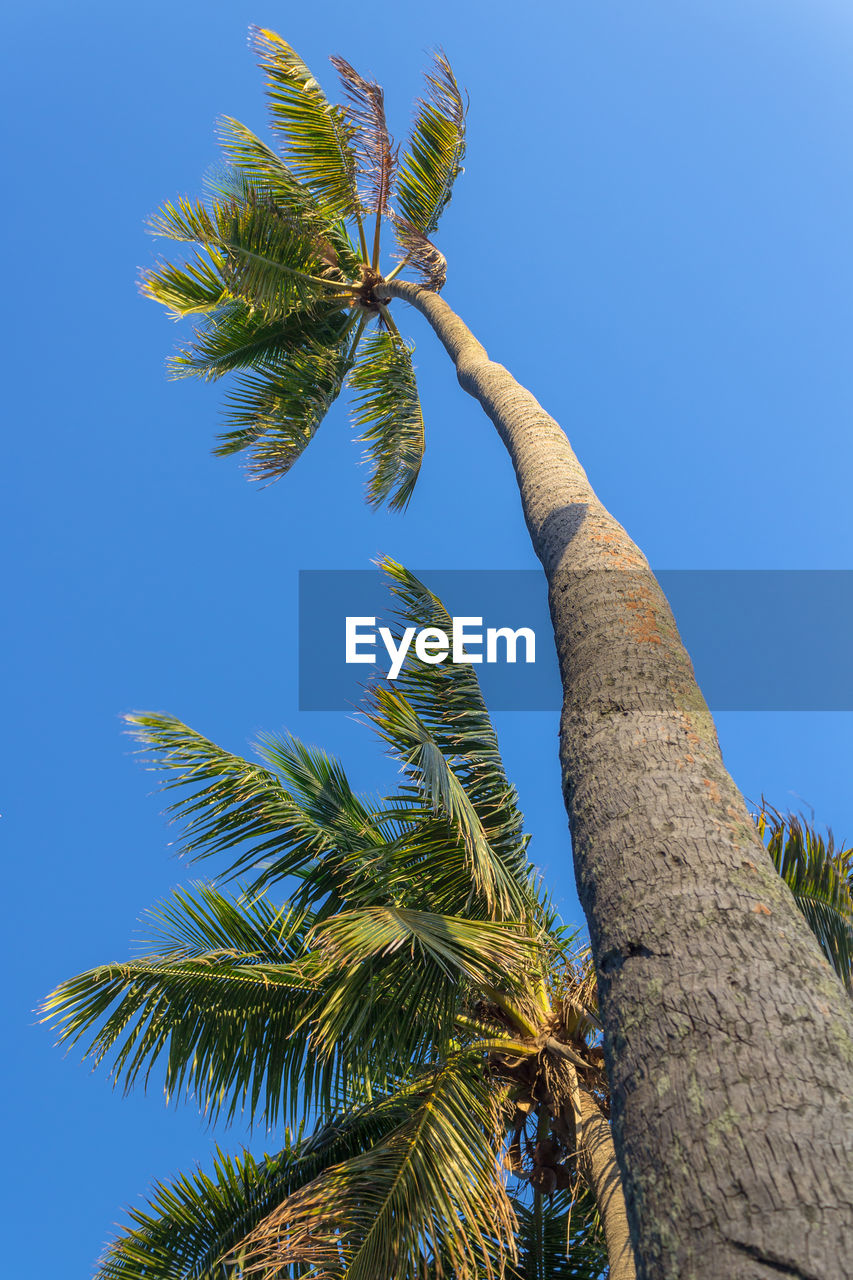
<point x="724" y="1173"/>
<point x="414" y="1002"/>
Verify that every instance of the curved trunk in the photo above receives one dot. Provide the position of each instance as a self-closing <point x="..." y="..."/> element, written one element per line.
<point x="728" y="1040"/>
<point x="601" y="1171"/>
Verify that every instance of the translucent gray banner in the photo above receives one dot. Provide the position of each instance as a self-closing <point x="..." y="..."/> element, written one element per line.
<point x="760" y="640"/>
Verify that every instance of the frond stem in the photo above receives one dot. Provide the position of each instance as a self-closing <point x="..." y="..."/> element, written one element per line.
<point x="503" y="1002"/>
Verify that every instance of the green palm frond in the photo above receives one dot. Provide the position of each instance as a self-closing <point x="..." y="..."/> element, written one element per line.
<point x="298" y="817"/>
<point x="414" y="744"/>
<point x="388" y="408"/>
<point x="259" y="166"/>
<point x="226" y="1003"/>
<point x="190" y="1225"/>
<point x="274" y="415"/>
<point x="264" y="254"/>
<point x="236" y="336"/>
<point x="820" y="876"/>
<point x="430" y="1189"/>
<point x="191" y="288"/>
<point x="435" y="151"/>
<point x="317" y="136"/>
<point x="398" y="978"/>
<point x="448" y="701"/>
<point x="559" y="1237"/>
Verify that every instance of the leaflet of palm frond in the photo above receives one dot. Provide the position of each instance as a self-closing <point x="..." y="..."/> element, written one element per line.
<point x="372" y="142"/>
<point x="820" y="876"/>
<point x="430" y="1189"/>
<point x="387" y="409"/>
<point x="316" y="135"/>
<point x="443" y="787"/>
<point x="419" y="252"/>
<point x="435" y="151"/>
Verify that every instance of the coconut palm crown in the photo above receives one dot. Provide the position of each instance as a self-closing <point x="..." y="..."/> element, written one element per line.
<point x="285" y="276"/>
<point x="410" y="1024"/>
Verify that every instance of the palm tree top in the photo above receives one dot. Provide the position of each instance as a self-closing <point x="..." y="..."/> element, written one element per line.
<point x="406" y="1021"/>
<point x="284" y="277"/>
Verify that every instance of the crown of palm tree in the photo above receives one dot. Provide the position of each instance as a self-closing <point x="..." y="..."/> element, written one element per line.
<point x="284" y="279"/>
<point x="411" y="1015"/>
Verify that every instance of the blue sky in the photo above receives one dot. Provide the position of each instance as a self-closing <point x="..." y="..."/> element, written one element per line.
<point x="653" y="233"/>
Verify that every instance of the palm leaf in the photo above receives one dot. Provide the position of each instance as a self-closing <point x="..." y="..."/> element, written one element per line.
<point x="435" y="151"/>
<point x="372" y="142"/>
<point x="189" y="1225"/>
<point x="192" y="288"/>
<point x="820" y="876"/>
<point x="419" y="252"/>
<point x="388" y="407"/>
<point x="265" y="171"/>
<point x="317" y="136"/>
<point x="430" y="1189"/>
<point x="559" y="1237"/>
<point x="236" y="336"/>
<point x="291" y="819"/>
<point x="226" y="1002"/>
<point x="275" y="415"/>
<point x="264" y="254"/>
<point x="434" y="778"/>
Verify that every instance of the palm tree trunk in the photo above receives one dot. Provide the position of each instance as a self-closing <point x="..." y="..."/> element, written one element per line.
<point x="601" y="1171"/>
<point x="728" y="1040"/>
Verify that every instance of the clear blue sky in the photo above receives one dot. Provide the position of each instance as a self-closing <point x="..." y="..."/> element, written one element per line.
<point x="653" y="232"/>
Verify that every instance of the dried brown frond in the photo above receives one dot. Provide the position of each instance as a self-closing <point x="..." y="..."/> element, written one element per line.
<point x="422" y="254"/>
<point x="375" y="146"/>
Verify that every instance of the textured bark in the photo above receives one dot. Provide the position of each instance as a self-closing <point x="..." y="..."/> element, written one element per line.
<point x="601" y="1171"/>
<point x="728" y="1040"/>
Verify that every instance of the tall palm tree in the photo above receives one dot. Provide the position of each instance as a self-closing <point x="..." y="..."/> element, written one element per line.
<point x="414" y="1002"/>
<point x="725" y="1174"/>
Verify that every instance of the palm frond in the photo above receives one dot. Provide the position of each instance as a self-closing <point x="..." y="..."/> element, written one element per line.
<point x="226" y="1003"/>
<point x="820" y="876"/>
<point x="264" y="253"/>
<point x="430" y="1189"/>
<point x="192" y="288"/>
<point x="560" y="1237"/>
<point x="419" y="252"/>
<point x="372" y="142"/>
<point x="388" y="408"/>
<point x="235" y="336"/>
<point x="270" y="830"/>
<point x="275" y="415"/>
<point x="316" y="134"/>
<point x="448" y="702"/>
<point x="191" y="1224"/>
<point x="434" y="778"/>
<point x="266" y="172"/>
<point x="435" y="150"/>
